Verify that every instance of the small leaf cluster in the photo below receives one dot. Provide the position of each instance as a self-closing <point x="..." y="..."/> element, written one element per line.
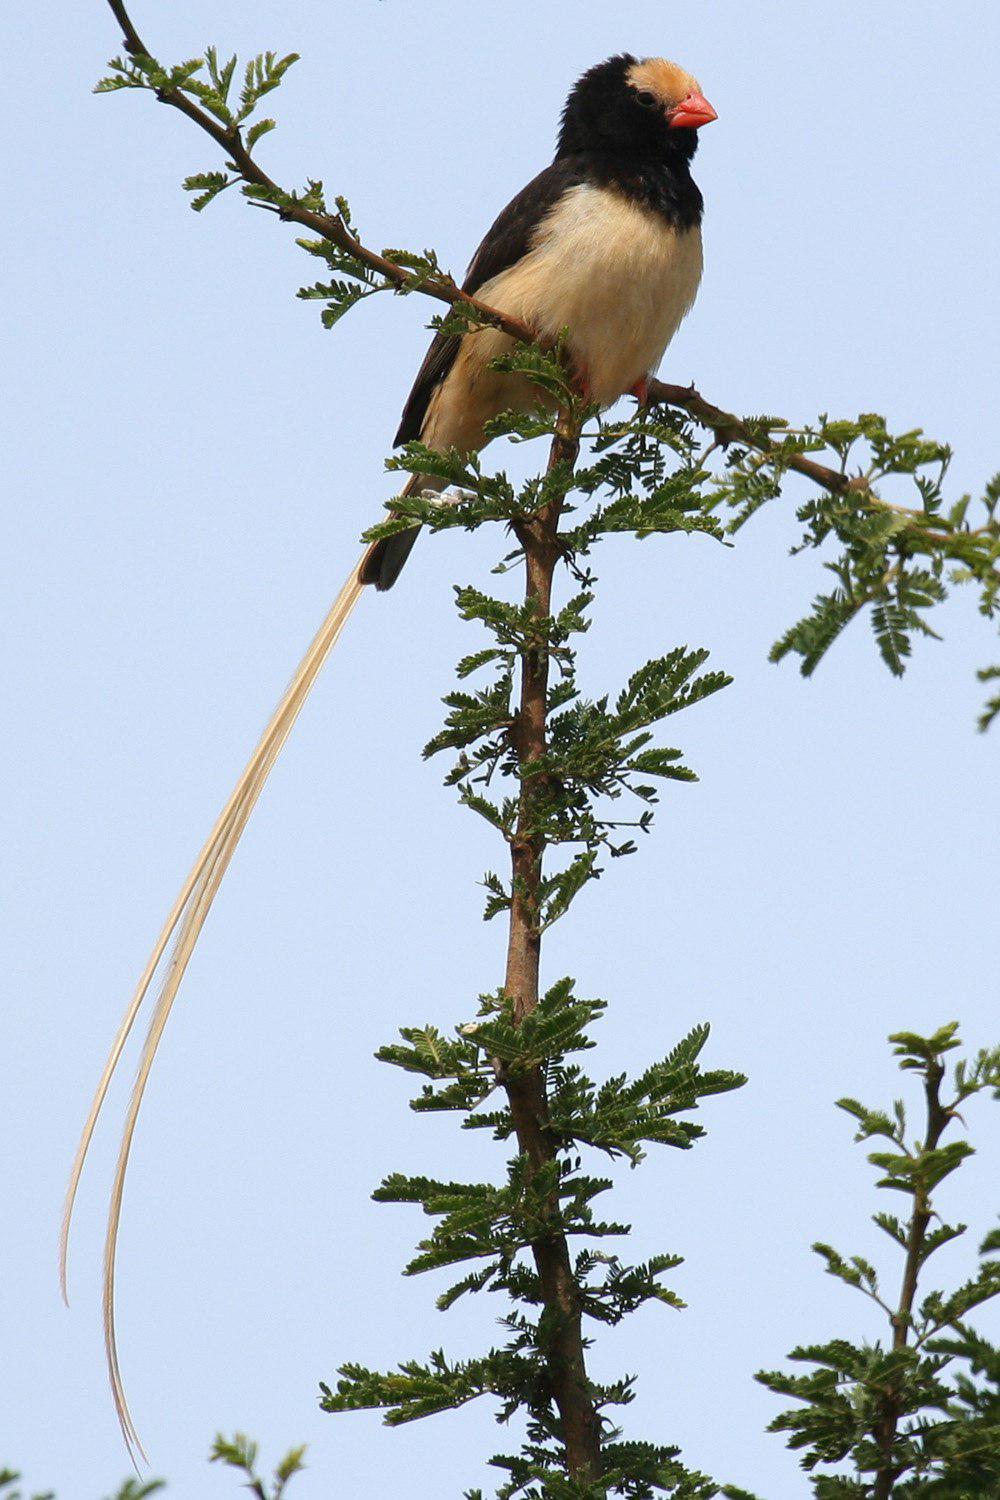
<point x="494" y="1228"/>
<point x="209" y="81"/>
<point x="896" y="561"/>
<point x="597" y="750"/>
<point x="992" y="705"/>
<point x="340" y="294"/>
<point x="132" y="1489"/>
<point x="8" y="1479"/>
<point x="637" y="1470"/>
<point x="919" y="1414"/>
<point x="240" y="1452"/>
<point x="650" y="476"/>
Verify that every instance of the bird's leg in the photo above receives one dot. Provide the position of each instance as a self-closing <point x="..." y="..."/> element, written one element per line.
<point x="581" y="382"/>
<point x="641" y="391"/>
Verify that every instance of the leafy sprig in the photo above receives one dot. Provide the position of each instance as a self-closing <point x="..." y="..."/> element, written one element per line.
<point x="240" y="1452"/>
<point x="894" y="561"/>
<point x="494" y="1226"/>
<point x="920" y="1413"/>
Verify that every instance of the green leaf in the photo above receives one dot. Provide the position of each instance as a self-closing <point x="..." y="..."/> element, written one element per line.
<point x="259" y="129"/>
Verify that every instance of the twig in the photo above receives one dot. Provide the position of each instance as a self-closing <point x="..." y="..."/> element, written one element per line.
<point x="731" y="429"/>
<point x="938" y="1118"/>
<point x="328" y="226"/>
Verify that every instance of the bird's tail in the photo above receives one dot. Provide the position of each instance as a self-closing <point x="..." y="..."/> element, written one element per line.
<point x="183" y="926"/>
<point x="384" y="561"/>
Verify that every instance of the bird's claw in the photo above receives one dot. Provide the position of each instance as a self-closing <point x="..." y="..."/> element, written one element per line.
<point x="641" y="391"/>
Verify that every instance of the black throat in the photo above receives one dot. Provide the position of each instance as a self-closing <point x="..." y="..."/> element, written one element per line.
<point x="664" y="185"/>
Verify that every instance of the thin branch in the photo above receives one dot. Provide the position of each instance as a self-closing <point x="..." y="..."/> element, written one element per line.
<point x="938" y="1118"/>
<point x="729" y="428"/>
<point x="328" y="226"/>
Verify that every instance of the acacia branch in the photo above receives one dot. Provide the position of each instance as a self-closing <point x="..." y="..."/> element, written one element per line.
<point x="938" y="1118"/>
<point x="526" y="1093"/>
<point x="731" y="429"/>
<point x="330" y="227"/>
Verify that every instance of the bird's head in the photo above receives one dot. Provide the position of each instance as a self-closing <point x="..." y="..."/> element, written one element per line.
<point x="633" y="106"/>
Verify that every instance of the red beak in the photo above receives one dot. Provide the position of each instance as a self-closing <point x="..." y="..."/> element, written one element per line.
<point x="693" y="112"/>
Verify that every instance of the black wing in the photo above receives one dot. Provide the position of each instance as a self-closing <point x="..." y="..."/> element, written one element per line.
<point x="507" y="240"/>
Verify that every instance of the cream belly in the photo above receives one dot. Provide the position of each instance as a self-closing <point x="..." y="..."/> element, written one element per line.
<point x="612" y="272"/>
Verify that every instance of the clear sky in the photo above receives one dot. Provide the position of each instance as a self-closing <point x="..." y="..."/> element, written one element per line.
<point x="189" y="460"/>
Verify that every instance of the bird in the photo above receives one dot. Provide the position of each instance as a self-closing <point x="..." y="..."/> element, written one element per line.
<point x="604" y="249"/>
<point x="605" y="242"/>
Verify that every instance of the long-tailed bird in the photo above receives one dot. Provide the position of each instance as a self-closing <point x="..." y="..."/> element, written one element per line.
<point x="605" y="243"/>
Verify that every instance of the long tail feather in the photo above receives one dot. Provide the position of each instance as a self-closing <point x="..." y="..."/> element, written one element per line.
<point x="186" y="919"/>
<point x="194" y="919"/>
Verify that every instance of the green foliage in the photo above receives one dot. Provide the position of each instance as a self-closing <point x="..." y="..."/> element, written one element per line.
<point x="210" y="83"/>
<point x="920" y="1414"/>
<point x="894" y="560"/>
<point x="637" y="1470"/>
<point x="138" y="1489"/>
<point x="338" y="294"/>
<point x="240" y="1452"/>
<point x="206" y="80"/>
<point x="495" y="1227"/>
<point x="9" y="1478"/>
<point x="597" y="750"/>
<point x="341" y="295"/>
<point x="992" y="708"/>
<point x="132" y="1489"/>
<point x="645" y="496"/>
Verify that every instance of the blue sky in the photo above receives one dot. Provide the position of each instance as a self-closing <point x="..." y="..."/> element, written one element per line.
<point x="190" y="460"/>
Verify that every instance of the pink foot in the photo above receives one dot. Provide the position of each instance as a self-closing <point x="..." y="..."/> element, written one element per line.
<point x="641" y="391"/>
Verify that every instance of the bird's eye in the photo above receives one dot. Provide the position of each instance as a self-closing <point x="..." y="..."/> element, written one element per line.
<point x="646" y="99"/>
